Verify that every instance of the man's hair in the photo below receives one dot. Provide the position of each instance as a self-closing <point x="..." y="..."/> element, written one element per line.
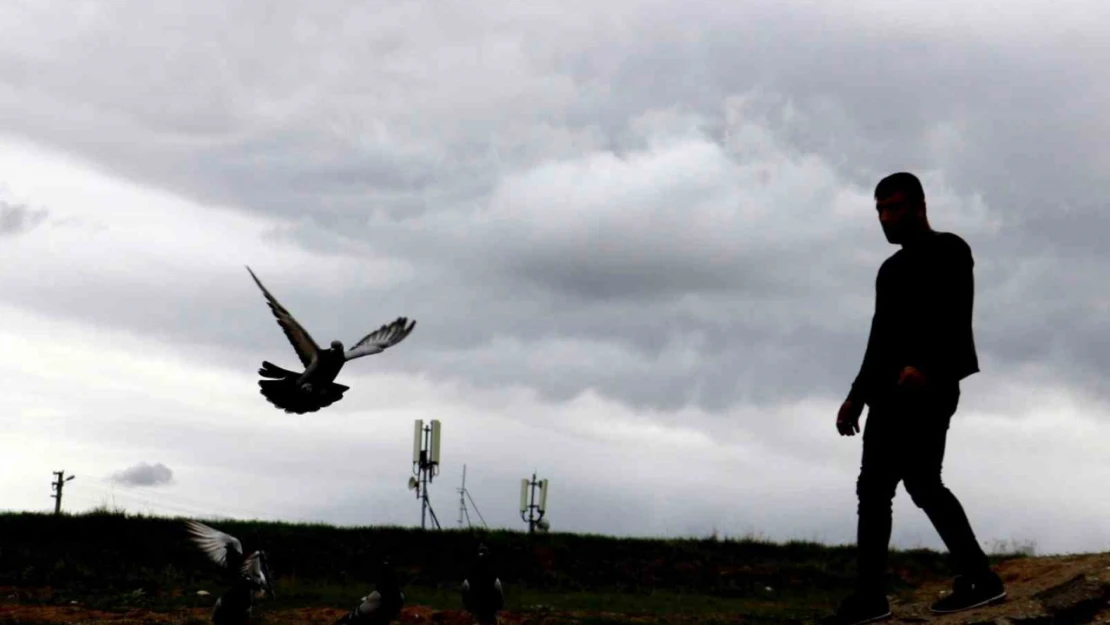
<point x="903" y="182"/>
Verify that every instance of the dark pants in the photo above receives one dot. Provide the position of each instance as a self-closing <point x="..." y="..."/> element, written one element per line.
<point x="903" y="440"/>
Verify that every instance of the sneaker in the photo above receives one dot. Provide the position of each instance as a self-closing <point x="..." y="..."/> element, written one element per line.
<point x="857" y="609"/>
<point x="970" y="593"/>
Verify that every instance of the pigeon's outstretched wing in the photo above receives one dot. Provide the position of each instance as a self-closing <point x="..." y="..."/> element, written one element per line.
<point x="223" y="549"/>
<point x="381" y="339"/>
<point x="300" y="338"/>
<point x="499" y="596"/>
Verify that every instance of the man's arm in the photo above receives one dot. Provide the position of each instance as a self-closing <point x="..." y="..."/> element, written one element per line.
<point x="862" y="386"/>
<point x="945" y="317"/>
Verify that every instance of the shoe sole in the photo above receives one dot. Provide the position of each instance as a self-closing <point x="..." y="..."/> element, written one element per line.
<point x="995" y="599"/>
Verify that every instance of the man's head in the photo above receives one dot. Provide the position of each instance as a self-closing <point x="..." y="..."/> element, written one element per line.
<point x="900" y="202"/>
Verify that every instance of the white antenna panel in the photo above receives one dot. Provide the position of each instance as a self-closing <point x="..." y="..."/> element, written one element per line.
<point x="523" y="495"/>
<point x="435" y="442"/>
<point x="543" y="495"/>
<point x="417" y="435"/>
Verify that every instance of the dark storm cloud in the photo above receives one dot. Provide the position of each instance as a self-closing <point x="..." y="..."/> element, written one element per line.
<point x="650" y="213"/>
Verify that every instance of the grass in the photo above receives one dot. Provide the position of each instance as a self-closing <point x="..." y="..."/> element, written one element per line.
<point x="110" y="560"/>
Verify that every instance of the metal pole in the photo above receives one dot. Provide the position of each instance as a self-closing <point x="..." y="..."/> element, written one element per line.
<point x="532" y="504"/>
<point x="424" y="477"/>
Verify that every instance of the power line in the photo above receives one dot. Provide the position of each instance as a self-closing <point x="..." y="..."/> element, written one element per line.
<point x="189" y="507"/>
<point x="191" y="511"/>
<point x="179" y="500"/>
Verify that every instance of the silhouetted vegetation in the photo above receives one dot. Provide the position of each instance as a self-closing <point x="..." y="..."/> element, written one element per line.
<point x="122" y="560"/>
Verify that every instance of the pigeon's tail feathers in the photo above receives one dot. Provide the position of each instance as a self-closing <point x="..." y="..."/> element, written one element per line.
<point x="270" y="370"/>
<point x="285" y="395"/>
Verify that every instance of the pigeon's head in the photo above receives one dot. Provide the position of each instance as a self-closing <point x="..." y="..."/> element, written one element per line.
<point x="337" y="346"/>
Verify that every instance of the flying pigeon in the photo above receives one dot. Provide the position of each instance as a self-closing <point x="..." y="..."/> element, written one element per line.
<point x="382" y="605"/>
<point x="249" y="574"/>
<point x="315" y="388"/>
<point x="481" y="590"/>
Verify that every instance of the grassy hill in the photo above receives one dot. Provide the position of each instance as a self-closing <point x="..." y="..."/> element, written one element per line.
<point x="113" y="560"/>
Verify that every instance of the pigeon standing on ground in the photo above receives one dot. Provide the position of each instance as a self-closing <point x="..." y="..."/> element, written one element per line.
<point x="249" y="574"/>
<point x="381" y="606"/>
<point x="315" y="388"/>
<point x="481" y="590"/>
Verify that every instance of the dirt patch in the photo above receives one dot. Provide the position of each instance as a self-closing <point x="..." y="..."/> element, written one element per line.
<point x="77" y="615"/>
<point x="1064" y="590"/>
<point x="1024" y="579"/>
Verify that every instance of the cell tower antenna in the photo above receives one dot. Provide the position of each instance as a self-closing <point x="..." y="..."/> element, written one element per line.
<point x="528" y="503"/>
<point x="425" y="465"/>
<point x="463" y="496"/>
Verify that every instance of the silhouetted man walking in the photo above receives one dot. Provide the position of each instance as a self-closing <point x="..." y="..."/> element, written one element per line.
<point x="920" y="347"/>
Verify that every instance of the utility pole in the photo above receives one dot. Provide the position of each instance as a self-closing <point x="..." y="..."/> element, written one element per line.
<point x="528" y="501"/>
<point x="57" y="487"/>
<point x="425" y="465"/>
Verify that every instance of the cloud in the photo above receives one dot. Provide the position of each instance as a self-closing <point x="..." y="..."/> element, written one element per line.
<point x="616" y="222"/>
<point x="727" y="212"/>
<point x="144" y="474"/>
<point x="18" y="219"/>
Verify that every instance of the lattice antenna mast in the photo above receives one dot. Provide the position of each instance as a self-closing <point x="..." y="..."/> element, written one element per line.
<point x="425" y="465"/>
<point x="463" y="512"/>
<point x="462" y="501"/>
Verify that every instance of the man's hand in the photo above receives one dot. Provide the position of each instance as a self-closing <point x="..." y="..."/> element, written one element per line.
<point x="911" y="378"/>
<point x="847" y="420"/>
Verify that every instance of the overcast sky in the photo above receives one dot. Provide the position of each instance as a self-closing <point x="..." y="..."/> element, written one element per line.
<point x="638" y="240"/>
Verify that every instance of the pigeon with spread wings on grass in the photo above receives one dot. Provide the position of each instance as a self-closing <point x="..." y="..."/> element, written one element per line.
<point x="315" y="388"/>
<point x="249" y="574"/>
